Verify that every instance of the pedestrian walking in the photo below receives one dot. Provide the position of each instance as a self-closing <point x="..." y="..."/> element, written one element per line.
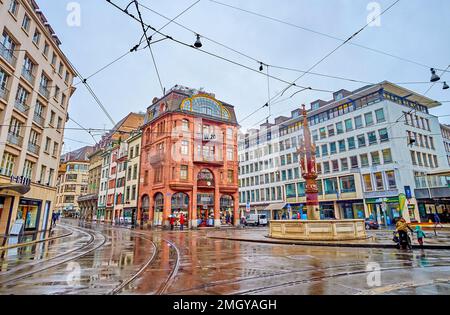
<point x="182" y="221"/>
<point x="243" y="222"/>
<point x="437" y="221"/>
<point x="172" y="222"/>
<point x="420" y="235"/>
<point x="54" y="218"/>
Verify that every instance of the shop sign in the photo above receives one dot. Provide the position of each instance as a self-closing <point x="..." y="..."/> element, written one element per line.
<point x="408" y="192"/>
<point x="247" y="207"/>
<point x="381" y="200"/>
<point x="21" y="180"/>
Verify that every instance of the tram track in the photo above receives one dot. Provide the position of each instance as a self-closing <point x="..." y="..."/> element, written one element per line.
<point x="290" y="272"/>
<point x="97" y="240"/>
<point x="68" y="227"/>
<point x="332" y="276"/>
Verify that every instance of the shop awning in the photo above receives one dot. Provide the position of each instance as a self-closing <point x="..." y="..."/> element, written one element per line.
<point x="276" y="206"/>
<point x="21" y="189"/>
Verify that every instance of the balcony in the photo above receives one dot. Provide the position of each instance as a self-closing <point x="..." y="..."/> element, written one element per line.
<point x="28" y="75"/>
<point x="15" y="139"/>
<point x="208" y="160"/>
<point x="23" y="108"/>
<point x="44" y="91"/>
<point x="39" y="119"/>
<point x="8" y="55"/>
<point x="157" y="158"/>
<point x="34" y="148"/>
<point x="4" y="93"/>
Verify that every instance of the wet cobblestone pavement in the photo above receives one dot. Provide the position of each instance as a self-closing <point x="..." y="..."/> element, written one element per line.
<point x="102" y="259"/>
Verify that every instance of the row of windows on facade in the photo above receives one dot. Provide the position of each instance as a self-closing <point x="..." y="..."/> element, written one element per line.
<point x="203" y="130"/>
<point x="181" y="173"/>
<point x="8" y="168"/>
<point x="292" y="158"/>
<point x="331" y="131"/>
<point x="130" y="195"/>
<point x="133" y="152"/>
<point x="15" y="136"/>
<point x="326" y="167"/>
<point x="73" y="178"/>
<point x="132" y="172"/>
<point x="207" y="151"/>
<point x="326" y="150"/>
<point x="26" y="25"/>
<point x="338" y="111"/>
<point x="72" y="188"/>
<point x="420" y="140"/>
<point x="424" y="159"/>
<point x="379" y="181"/>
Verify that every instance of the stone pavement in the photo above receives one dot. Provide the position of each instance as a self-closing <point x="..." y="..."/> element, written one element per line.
<point x="376" y="239"/>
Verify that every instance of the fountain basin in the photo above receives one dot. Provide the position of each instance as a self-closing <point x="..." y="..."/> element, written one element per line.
<point x="320" y="230"/>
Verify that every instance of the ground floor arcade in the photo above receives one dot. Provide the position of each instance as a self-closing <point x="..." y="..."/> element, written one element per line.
<point x="195" y="208"/>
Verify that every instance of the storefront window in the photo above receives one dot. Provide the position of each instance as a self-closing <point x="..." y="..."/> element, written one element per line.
<point x="29" y="211"/>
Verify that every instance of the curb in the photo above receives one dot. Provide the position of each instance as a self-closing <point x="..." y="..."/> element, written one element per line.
<point x="35" y="242"/>
<point x="293" y="242"/>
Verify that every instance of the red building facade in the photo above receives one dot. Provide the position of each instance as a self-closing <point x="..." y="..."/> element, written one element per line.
<point x="189" y="161"/>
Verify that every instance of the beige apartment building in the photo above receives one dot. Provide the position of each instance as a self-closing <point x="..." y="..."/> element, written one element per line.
<point x="35" y="87"/>
<point x="88" y="202"/>
<point x="132" y="179"/>
<point x="73" y="182"/>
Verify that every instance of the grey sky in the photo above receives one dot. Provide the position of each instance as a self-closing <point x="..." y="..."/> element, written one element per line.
<point x="414" y="29"/>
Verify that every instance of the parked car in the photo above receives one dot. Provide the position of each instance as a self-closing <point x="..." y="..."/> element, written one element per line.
<point x="371" y="224"/>
<point x="256" y="219"/>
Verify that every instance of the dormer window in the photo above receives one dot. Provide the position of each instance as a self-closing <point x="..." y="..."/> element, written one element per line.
<point x="315" y="106"/>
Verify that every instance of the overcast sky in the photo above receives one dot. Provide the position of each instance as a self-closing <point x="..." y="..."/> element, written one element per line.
<point x="413" y="29"/>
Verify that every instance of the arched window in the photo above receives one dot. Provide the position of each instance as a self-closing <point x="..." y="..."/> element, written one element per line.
<point x="205" y="105"/>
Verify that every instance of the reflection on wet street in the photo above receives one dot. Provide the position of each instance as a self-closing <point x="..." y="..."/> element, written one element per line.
<point x="102" y="259"/>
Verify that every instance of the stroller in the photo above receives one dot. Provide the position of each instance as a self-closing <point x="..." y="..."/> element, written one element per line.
<point x="402" y="240"/>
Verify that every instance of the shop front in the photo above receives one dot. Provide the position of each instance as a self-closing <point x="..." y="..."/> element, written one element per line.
<point x="180" y="205"/>
<point x="205" y="209"/>
<point x="30" y="211"/>
<point x="129" y="215"/>
<point x="351" y="209"/>
<point x="327" y="210"/>
<point x="158" y="210"/>
<point x="226" y="210"/>
<point x="429" y="208"/>
<point x="385" y="210"/>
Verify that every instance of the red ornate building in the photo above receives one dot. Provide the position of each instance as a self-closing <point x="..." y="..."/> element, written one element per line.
<point x="189" y="161"/>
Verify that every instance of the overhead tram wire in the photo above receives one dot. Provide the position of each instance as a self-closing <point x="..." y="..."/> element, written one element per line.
<point x="322" y="34"/>
<point x="258" y="60"/>
<point x="170" y="20"/>
<point x="79" y="125"/>
<point x="147" y="38"/>
<point x="218" y="56"/>
<point x="339" y="46"/>
<point x="91" y="91"/>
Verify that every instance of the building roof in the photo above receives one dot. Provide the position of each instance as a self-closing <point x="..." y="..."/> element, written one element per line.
<point x="178" y="95"/>
<point x="80" y="155"/>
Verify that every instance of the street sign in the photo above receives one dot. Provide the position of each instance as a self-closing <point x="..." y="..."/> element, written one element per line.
<point x="408" y="192"/>
<point x="17" y="228"/>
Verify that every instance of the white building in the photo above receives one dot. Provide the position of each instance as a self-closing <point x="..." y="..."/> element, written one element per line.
<point x="366" y="156"/>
